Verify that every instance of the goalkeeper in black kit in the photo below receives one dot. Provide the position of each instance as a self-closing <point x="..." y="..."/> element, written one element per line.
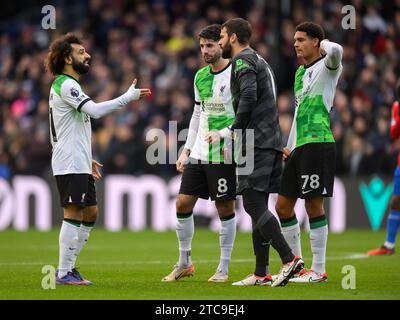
<point x="254" y="101"/>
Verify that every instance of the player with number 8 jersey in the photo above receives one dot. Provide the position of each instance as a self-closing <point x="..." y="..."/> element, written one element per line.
<point x="208" y="169"/>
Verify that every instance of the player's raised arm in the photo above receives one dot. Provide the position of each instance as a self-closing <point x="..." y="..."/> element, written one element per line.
<point x="334" y="53"/>
<point x="98" y="110"/>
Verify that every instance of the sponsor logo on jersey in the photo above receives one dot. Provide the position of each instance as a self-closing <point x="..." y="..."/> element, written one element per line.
<point x="301" y="96"/>
<point x="240" y="65"/>
<point x="213" y="107"/>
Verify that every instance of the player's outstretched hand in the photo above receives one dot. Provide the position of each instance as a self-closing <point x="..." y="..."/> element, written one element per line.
<point x="212" y="137"/>
<point x="138" y="93"/>
<point x="96" y="169"/>
<point x="286" y="153"/>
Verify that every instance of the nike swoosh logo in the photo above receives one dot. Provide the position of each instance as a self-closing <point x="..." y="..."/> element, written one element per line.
<point x="221" y="195"/>
<point x="286" y="274"/>
<point x="304" y="192"/>
<point x="315" y="280"/>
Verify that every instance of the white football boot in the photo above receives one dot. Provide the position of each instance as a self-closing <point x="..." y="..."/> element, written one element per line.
<point x="219" y="276"/>
<point x="253" y="280"/>
<point x="287" y="271"/>
<point x="310" y="276"/>
<point x="179" y="273"/>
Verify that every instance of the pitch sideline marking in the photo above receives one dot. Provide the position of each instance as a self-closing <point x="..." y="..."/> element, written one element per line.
<point x="352" y="256"/>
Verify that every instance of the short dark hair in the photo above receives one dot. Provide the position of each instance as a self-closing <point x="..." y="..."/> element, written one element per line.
<point x="240" y="27"/>
<point x="59" y="50"/>
<point x="211" y="32"/>
<point x="312" y="29"/>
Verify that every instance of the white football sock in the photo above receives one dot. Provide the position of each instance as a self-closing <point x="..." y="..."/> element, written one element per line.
<point x="318" y="239"/>
<point x="292" y="237"/>
<point x="389" y="245"/>
<point x="184" y="232"/>
<point x="68" y="241"/>
<point x="227" y="236"/>
<point x="84" y="232"/>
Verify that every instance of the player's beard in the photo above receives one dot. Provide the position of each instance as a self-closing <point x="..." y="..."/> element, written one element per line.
<point x="80" y="67"/>
<point x="227" y="51"/>
<point x="212" y="59"/>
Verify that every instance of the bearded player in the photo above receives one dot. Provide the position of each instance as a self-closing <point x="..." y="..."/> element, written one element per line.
<point x="208" y="170"/>
<point x="70" y="110"/>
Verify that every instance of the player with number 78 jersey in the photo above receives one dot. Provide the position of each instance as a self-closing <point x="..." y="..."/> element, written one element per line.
<point x="310" y="152"/>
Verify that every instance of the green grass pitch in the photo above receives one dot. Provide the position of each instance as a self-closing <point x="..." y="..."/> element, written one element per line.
<point x="130" y="265"/>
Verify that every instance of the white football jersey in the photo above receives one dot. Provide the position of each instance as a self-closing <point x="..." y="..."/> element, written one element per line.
<point x="314" y="87"/>
<point x="70" y="129"/>
<point x="212" y="91"/>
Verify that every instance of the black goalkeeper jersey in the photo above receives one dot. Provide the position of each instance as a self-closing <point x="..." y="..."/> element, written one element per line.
<point x="254" y="100"/>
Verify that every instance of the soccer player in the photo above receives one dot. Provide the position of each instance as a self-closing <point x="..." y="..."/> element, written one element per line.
<point x="310" y="151"/>
<point x="254" y="95"/>
<point x="208" y="170"/>
<point x="393" y="220"/>
<point x="70" y="110"/>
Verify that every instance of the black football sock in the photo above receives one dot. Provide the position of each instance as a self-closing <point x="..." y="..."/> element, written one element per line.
<point x="261" y="251"/>
<point x="256" y="205"/>
<point x="271" y="230"/>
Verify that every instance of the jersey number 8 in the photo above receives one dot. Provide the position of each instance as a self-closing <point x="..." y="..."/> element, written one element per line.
<point x="222" y="185"/>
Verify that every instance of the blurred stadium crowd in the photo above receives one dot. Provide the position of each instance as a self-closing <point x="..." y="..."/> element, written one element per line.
<point x="156" y="41"/>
